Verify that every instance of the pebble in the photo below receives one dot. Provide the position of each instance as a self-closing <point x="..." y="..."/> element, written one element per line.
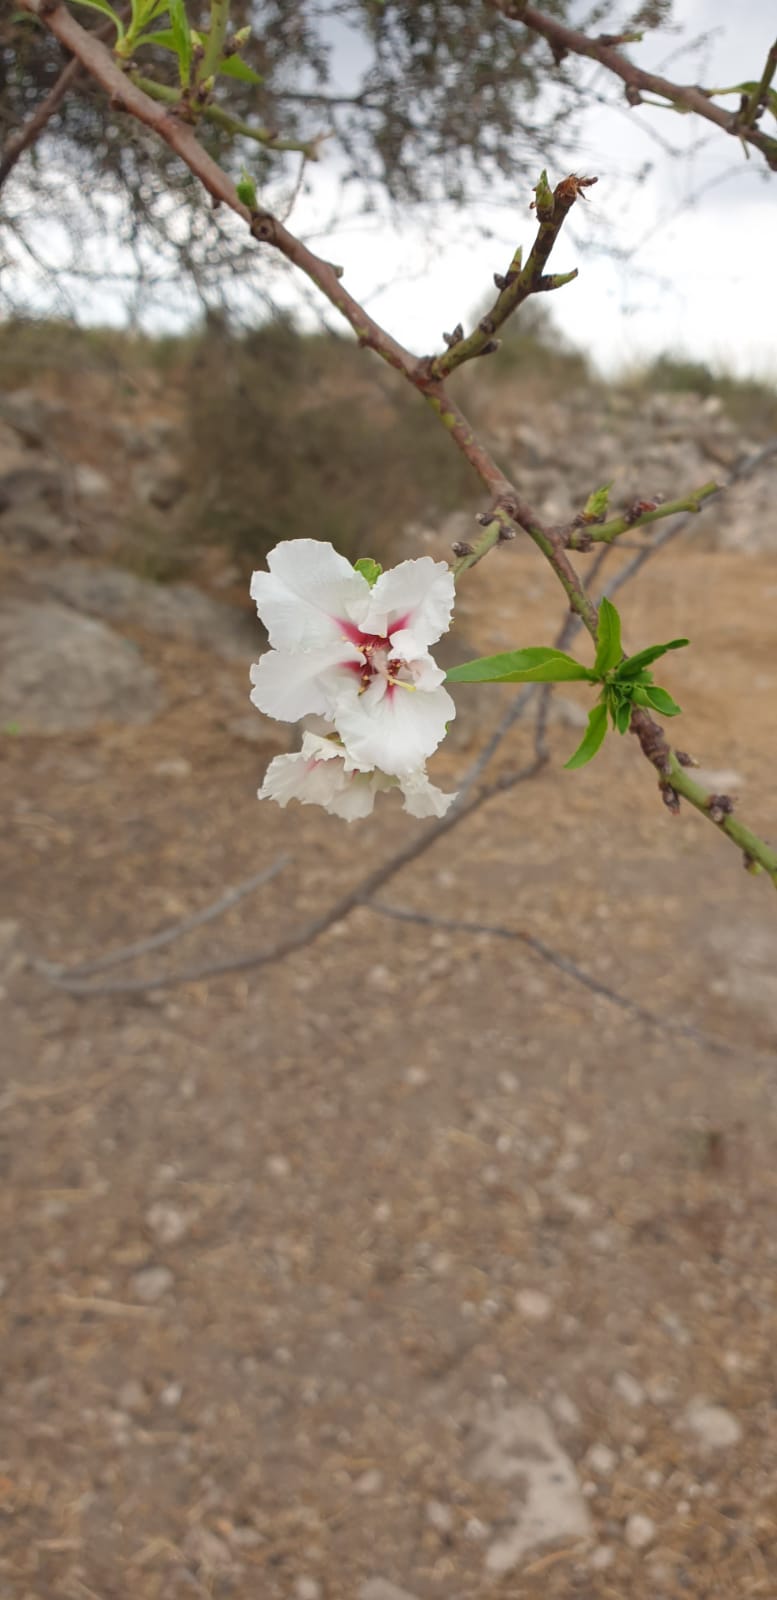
<point x="307" y="1589"/>
<point x="439" y="1516"/>
<point x="601" y="1459"/>
<point x="166" y="1222"/>
<point x="132" y="1396"/>
<point x="278" y="1166"/>
<point x="152" y="1283"/>
<point x="382" y="1589"/>
<point x="533" y="1304"/>
<point x="370" y="1482"/>
<point x="602" y="1558"/>
<point x="714" y="1427"/>
<point x="171" y="1395"/>
<point x="628" y="1389"/>
<point x="640" y="1531"/>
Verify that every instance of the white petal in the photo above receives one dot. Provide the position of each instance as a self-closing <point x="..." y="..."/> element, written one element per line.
<point x="307" y="593"/>
<point x="424" y="668"/>
<point x="421" y="798"/>
<point x="288" y="686"/>
<point x="356" y="799"/>
<point x="418" y="595"/>
<point x="397" y="731"/>
<point x="294" y="777"/>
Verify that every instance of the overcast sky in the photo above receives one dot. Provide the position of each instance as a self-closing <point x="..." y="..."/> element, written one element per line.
<point x="696" y="240"/>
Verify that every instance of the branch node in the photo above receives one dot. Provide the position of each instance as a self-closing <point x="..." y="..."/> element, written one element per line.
<point x="685" y="760"/>
<point x="460" y="547"/>
<point x="450" y="339"/>
<point x="670" y="798"/>
<point x="720" y="806"/>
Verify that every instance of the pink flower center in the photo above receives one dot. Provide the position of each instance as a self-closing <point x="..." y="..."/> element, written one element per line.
<point x="377" y="657"/>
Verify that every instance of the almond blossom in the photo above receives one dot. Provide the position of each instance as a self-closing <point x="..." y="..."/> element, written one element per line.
<point x="357" y="654"/>
<point x="322" y="773"/>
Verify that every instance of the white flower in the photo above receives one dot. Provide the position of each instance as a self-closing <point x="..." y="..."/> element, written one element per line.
<point x="355" y="654"/>
<point x="322" y="773"/>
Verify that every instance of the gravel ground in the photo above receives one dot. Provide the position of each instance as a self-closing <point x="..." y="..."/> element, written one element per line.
<point x="409" y="1266"/>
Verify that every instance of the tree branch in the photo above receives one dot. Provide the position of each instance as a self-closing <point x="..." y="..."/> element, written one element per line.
<point x="684" y="97"/>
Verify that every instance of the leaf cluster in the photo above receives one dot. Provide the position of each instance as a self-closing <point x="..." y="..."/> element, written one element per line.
<point x="626" y="681"/>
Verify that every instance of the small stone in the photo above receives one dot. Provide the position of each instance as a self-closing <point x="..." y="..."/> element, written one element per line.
<point x="152" y="1283"/>
<point x="565" y="1411"/>
<point x="629" y="1389"/>
<point x="171" y="1395"/>
<point x="278" y="1166"/>
<point x="714" y="1427"/>
<point x="207" y="1550"/>
<point x="533" y="1304"/>
<point x="167" y="1223"/>
<point x="307" y="1589"/>
<point x="132" y="1396"/>
<point x="640" y="1531"/>
<point x="476" y="1530"/>
<point x="382" y="1589"/>
<point x="370" y="1482"/>
<point x="602" y="1558"/>
<point x="172" y="767"/>
<point x="439" y="1516"/>
<point x="601" y="1460"/>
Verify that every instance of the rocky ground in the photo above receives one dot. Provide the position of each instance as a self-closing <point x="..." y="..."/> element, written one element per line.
<point x="409" y="1267"/>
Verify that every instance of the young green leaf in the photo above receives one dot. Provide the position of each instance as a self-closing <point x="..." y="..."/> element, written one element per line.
<point x="622" y="716"/>
<point x="608" y="639"/>
<point x="535" y="665"/>
<point x="233" y="67"/>
<point x="107" y="11"/>
<point x="369" y="569"/>
<point x="593" y="738"/>
<point x="595" y="508"/>
<point x="662" y="701"/>
<point x="246" y="190"/>
<point x="182" y="40"/>
<point x="633" y="665"/>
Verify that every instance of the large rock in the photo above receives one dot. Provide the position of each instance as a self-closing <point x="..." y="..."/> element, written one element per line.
<point x="176" y="610"/>
<point x="60" y="672"/>
<point x="33" y="495"/>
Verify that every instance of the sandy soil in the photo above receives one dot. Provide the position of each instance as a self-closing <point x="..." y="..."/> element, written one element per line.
<point x="280" y="1246"/>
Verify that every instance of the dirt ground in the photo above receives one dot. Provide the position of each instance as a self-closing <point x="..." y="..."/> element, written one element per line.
<point x="280" y="1248"/>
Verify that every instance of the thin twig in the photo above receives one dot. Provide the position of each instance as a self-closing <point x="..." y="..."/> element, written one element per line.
<point x="684" y="97"/>
<point x="155" y="941"/>
<point x="562" y="964"/>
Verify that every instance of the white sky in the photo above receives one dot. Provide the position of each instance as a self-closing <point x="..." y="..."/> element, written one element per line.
<point x="682" y="261"/>
<point x="697" y="239"/>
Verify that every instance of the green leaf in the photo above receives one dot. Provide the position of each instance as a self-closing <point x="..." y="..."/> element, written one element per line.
<point x="608" y="639"/>
<point x="107" y="11"/>
<point x="369" y="569"/>
<point x="593" y="738"/>
<point x="662" y="701"/>
<point x="535" y="665"/>
<point x="633" y="665"/>
<point x="595" y="508"/>
<point x="622" y="716"/>
<point x="233" y="67"/>
<point x="182" y="40"/>
<point x="164" y="37"/>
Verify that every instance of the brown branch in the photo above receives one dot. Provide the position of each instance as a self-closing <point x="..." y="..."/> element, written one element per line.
<point x="685" y="97"/>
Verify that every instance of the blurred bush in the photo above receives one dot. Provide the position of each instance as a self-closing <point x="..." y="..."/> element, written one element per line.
<point x="750" y="402"/>
<point x="292" y="435"/>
